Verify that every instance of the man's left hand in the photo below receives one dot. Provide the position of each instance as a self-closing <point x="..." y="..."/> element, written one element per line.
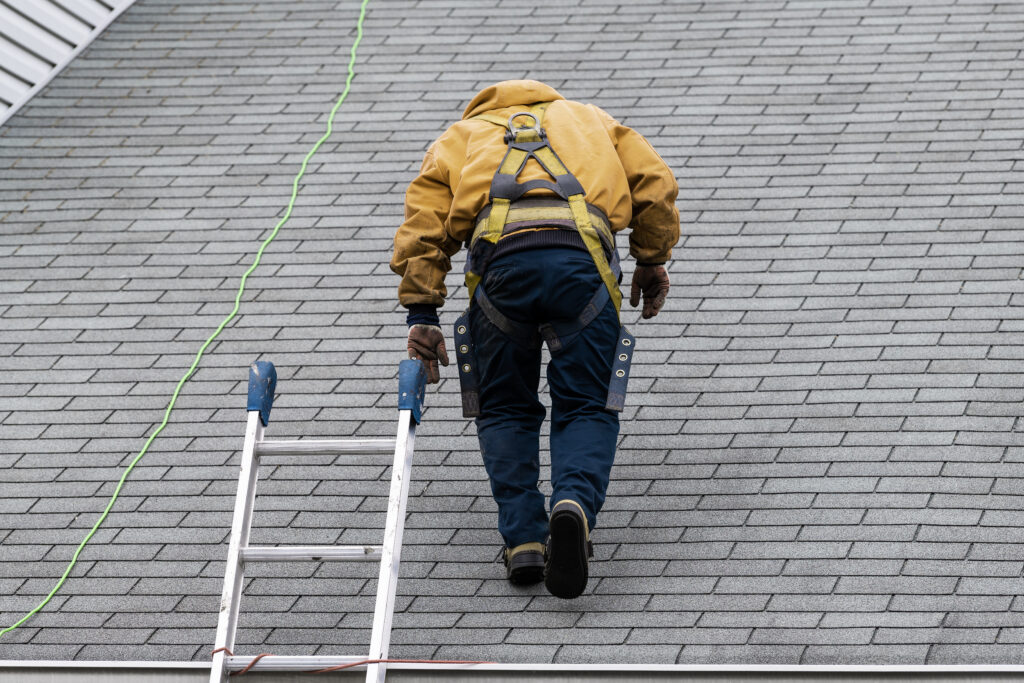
<point x="652" y="281"/>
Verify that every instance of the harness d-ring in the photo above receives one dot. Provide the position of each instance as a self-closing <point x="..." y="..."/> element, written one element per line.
<point x="514" y="130"/>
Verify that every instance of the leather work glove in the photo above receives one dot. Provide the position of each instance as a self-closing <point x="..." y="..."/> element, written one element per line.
<point x="653" y="282"/>
<point x="426" y="343"/>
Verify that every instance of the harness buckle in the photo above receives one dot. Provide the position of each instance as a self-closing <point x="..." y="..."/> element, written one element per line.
<point x="513" y="131"/>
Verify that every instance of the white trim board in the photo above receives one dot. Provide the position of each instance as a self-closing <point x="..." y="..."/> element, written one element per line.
<point x="38" y="38"/>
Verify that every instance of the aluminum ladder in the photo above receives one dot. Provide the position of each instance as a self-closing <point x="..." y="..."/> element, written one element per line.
<point x="262" y="382"/>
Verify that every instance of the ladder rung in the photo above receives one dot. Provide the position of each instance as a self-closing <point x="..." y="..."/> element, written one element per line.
<point x="289" y="663"/>
<point x="326" y="553"/>
<point x="321" y="447"/>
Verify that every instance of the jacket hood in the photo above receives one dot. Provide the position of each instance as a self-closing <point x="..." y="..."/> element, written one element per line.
<point x="508" y="94"/>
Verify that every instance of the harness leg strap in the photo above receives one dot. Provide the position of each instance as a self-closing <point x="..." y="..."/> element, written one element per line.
<point x="553" y="332"/>
<point x="521" y="333"/>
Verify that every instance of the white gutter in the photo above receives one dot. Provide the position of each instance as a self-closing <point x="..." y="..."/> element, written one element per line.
<point x="198" y="672"/>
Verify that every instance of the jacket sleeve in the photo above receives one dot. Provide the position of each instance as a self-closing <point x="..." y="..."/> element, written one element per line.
<point x="653" y="189"/>
<point x="423" y="248"/>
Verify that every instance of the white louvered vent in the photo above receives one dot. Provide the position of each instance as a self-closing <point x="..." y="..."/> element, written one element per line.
<point x="38" y="38"/>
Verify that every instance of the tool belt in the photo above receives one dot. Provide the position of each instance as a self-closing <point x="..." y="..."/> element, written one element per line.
<point x="509" y="213"/>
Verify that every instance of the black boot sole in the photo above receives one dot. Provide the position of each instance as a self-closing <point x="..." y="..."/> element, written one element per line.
<point x="565" y="574"/>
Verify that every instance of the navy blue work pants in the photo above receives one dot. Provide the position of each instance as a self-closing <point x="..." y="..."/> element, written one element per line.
<point x="537" y="286"/>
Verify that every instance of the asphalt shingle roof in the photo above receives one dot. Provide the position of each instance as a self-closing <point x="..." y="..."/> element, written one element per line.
<point x="821" y="455"/>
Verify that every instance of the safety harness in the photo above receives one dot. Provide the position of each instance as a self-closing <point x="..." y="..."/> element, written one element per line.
<point x="509" y="212"/>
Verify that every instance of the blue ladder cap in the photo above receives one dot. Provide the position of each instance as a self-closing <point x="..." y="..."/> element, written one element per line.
<point x="262" y="383"/>
<point x="412" y="387"/>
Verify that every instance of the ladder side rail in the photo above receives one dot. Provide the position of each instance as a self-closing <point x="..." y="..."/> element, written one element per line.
<point x="387" y="581"/>
<point x="227" y="621"/>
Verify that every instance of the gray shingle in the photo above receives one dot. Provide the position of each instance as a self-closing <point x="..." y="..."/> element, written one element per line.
<point x="737" y="654"/>
<point x="974" y="654"/>
<point x="873" y="655"/>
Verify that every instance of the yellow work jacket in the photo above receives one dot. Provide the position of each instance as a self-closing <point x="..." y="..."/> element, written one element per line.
<point x="620" y="171"/>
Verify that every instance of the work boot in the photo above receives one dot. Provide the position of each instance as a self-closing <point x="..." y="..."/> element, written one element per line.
<point x="565" y="572"/>
<point x="524" y="564"/>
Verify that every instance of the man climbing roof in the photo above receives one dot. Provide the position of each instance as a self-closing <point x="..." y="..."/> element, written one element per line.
<point x="536" y="186"/>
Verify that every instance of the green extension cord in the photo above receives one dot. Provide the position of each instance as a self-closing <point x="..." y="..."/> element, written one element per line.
<point x="199" y="355"/>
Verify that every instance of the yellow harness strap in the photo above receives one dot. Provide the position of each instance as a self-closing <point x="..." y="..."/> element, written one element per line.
<point x="512" y="165"/>
<point x="592" y="242"/>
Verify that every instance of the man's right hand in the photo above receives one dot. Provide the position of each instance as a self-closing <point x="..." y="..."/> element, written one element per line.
<point x="653" y="282"/>
<point x="426" y="343"/>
